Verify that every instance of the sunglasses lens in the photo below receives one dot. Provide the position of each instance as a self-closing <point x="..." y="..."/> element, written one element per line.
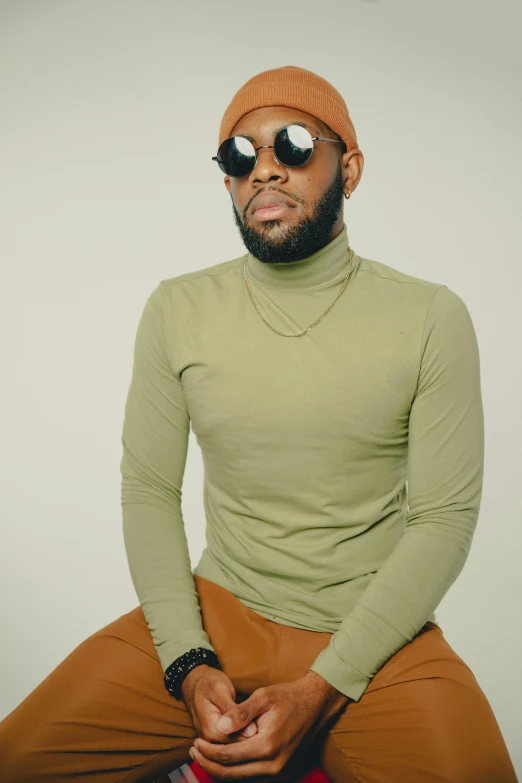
<point x="236" y="156"/>
<point x="293" y="145"/>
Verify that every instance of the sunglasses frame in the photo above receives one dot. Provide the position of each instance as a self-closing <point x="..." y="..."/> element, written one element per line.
<point x="272" y="146"/>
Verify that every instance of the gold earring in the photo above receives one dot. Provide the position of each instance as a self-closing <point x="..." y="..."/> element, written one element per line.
<point x="347" y="195"/>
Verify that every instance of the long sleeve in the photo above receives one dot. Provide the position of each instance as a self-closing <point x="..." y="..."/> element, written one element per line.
<point x="155" y="442"/>
<point x="444" y="478"/>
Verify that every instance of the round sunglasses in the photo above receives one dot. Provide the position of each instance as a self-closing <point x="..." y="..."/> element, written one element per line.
<point x="293" y="146"/>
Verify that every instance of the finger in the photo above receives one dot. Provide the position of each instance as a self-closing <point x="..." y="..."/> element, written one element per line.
<point x="214" y="706"/>
<point x="239" y="736"/>
<point x="240" y="715"/>
<point x="221" y="702"/>
<point x="250" y="730"/>
<point x="228" y="771"/>
<point x="251" y="749"/>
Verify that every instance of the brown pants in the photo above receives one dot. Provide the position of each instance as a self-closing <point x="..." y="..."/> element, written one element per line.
<point x="104" y="716"/>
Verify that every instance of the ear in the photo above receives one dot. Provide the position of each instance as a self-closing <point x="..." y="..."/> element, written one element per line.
<point x="228" y="183"/>
<point x="352" y="163"/>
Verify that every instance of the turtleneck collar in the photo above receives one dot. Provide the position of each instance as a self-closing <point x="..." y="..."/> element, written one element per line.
<point x="327" y="265"/>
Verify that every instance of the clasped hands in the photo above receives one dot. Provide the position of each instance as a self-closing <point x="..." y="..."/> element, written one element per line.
<point x="262" y="733"/>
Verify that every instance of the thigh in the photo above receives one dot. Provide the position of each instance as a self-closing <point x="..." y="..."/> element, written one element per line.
<point x="100" y="713"/>
<point x="104" y="714"/>
<point x="422" y="719"/>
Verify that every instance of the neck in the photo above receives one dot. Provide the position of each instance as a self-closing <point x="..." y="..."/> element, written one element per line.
<point x="325" y="266"/>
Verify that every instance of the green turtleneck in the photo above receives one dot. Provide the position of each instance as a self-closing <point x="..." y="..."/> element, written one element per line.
<point x="307" y="444"/>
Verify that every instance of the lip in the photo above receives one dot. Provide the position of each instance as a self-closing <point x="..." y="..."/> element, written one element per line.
<point x="271" y="212"/>
<point x="271" y="206"/>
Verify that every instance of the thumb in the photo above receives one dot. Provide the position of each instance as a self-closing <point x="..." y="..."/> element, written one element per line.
<point x="238" y="716"/>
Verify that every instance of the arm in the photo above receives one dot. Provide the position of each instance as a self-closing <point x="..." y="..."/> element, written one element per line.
<point x="155" y="442"/>
<point x="445" y="472"/>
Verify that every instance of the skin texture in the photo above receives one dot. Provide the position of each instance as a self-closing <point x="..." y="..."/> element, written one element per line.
<point x="214" y="696"/>
<point x="312" y="222"/>
<point x="266" y="729"/>
<point x="269" y="726"/>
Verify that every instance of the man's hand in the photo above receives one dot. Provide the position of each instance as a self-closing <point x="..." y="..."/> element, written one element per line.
<point x="286" y="714"/>
<point x="208" y="694"/>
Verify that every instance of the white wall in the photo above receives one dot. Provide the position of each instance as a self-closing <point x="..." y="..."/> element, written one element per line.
<point x="110" y="116"/>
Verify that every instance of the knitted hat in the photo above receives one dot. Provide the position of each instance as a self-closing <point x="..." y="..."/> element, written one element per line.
<point x="295" y="88"/>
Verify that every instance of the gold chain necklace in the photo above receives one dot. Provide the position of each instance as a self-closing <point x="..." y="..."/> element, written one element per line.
<point x="298" y="334"/>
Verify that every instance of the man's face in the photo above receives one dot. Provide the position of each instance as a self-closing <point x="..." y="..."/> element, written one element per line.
<point x="314" y="215"/>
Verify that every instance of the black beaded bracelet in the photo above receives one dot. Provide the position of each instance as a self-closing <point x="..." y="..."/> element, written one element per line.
<point x="178" y="669"/>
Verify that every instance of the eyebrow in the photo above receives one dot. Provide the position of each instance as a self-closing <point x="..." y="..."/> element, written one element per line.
<point x="302" y="124"/>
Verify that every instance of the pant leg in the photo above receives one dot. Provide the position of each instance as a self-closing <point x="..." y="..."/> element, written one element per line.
<point x="422" y="719"/>
<point x="104" y="715"/>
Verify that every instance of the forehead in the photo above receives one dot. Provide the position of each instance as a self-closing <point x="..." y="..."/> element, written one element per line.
<point x="268" y="120"/>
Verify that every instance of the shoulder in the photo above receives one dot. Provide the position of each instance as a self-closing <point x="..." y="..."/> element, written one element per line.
<point x="435" y="298"/>
<point x="391" y="275"/>
<point x="212" y="271"/>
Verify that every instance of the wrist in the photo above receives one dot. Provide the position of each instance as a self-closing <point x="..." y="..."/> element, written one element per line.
<point x="178" y="671"/>
<point x="192" y="677"/>
<point x="325" y="690"/>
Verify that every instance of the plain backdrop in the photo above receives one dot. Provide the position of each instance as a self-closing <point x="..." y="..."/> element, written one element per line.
<point x="110" y="111"/>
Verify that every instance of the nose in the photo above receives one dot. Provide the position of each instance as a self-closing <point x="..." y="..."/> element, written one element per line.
<point x="267" y="167"/>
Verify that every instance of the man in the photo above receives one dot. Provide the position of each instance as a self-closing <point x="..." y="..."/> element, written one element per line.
<point x="343" y="478"/>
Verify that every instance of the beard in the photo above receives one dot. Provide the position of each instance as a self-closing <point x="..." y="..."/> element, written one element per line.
<point x="301" y="240"/>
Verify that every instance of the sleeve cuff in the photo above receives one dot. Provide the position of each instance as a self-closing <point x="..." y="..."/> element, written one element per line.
<point x="168" y="655"/>
<point x="340" y="674"/>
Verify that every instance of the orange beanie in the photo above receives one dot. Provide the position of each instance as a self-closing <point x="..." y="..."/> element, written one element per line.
<point x="295" y="88"/>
